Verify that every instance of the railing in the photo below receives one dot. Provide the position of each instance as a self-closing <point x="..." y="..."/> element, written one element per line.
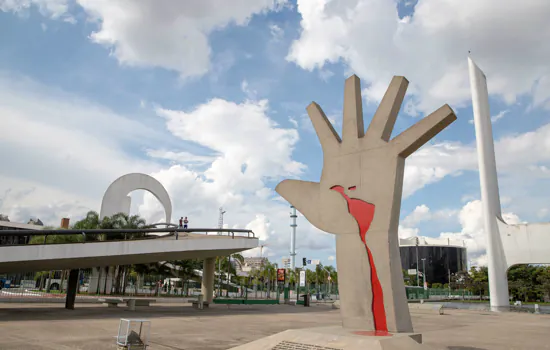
<point x="171" y="231"/>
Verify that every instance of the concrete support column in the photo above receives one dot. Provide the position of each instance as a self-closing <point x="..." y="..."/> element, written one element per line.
<point x="94" y="281"/>
<point x="207" y="285"/>
<point x="72" y="285"/>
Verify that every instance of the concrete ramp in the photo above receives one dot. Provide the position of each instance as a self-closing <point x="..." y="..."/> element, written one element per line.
<point x="94" y="254"/>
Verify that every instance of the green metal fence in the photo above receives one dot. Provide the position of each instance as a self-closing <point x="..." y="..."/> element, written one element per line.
<point x="417" y="293"/>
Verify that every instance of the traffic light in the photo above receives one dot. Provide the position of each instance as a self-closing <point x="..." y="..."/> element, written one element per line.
<point x="304" y="261"/>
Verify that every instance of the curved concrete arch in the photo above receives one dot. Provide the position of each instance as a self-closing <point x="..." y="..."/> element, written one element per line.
<point x="116" y="199"/>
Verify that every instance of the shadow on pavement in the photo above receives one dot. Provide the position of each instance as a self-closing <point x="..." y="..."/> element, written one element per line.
<point x="82" y="311"/>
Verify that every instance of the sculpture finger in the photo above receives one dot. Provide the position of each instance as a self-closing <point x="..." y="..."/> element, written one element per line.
<point x="303" y="195"/>
<point x="417" y="135"/>
<point x="328" y="137"/>
<point x="352" y="126"/>
<point x="384" y="119"/>
<point x="329" y="214"/>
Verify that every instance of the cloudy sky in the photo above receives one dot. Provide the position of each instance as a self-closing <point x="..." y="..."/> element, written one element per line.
<point x="209" y="98"/>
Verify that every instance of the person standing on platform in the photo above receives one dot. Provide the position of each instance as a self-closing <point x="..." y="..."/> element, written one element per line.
<point x="181" y="222"/>
<point x="185" y="222"/>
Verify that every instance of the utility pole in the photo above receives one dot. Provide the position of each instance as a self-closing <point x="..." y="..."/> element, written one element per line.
<point x="220" y="225"/>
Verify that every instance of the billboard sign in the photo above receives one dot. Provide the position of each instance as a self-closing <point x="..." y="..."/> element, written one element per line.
<point x="302" y="278"/>
<point x="286" y="263"/>
<point x="281" y="275"/>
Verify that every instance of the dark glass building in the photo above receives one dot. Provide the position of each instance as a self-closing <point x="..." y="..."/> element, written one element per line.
<point x="441" y="260"/>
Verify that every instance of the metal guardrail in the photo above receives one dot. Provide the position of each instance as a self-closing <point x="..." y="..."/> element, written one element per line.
<point x="170" y="230"/>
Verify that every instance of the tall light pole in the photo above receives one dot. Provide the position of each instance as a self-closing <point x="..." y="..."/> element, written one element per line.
<point x="328" y="278"/>
<point x="220" y="225"/>
<point x="293" y="226"/>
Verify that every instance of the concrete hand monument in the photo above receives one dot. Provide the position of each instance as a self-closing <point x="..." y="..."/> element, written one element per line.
<point x="358" y="199"/>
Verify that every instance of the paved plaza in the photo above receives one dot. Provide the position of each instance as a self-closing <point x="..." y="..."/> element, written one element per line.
<point x="179" y="326"/>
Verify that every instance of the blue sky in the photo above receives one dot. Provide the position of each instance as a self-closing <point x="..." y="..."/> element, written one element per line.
<point x="50" y="54"/>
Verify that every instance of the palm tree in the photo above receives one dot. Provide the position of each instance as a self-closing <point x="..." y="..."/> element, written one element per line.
<point x="118" y="221"/>
<point x="122" y="221"/>
<point x="238" y="259"/>
<point x="90" y="222"/>
<point x="186" y="270"/>
<point x="270" y="275"/>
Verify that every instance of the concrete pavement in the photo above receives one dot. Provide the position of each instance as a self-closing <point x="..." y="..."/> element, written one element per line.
<point x="178" y="326"/>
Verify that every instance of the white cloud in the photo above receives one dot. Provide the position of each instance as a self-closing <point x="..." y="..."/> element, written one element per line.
<point x="239" y="132"/>
<point x="250" y="93"/>
<point x="542" y="213"/>
<point x="325" y="74"/>
<point x="293" y="121"/>
<point x="180" y="157"/>
<point x="55" y="9"/>
<point x="419" y="214"/>
<point x="237" y="176"/>
<point x="277" y="33"/>
<point x="407" y="232"/>
<point x="507" y="39"/>
<point x="60" y="152"/>
<point x="52" y="137"/>
<point x="494" y="118"/>
<point x="432" y="163"/>
<point x="170" y="34"/>
<point x="515" y="158"/>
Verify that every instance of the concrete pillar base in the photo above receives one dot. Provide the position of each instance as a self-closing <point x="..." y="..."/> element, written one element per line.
<point x="207" y="284"/>
<point x="337" y="338"/>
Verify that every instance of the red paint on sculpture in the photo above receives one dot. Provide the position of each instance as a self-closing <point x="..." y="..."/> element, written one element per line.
<point x="373" y="333"/>
<point x="363" y="213"/>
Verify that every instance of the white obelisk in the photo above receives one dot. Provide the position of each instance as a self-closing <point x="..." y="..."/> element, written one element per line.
<point x="498" y="281"/>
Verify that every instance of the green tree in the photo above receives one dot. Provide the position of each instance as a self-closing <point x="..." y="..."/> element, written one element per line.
<point x="117" y="221"/>
<point x="524" y="283"/>
<point x="479" y="284"/>
<point x="186" y="270"/>
<point x="543" y="279"/>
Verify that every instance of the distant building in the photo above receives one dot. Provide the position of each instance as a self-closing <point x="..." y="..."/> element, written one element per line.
<point x="19" y="239"/>
<point x="443" y="257"/>
<point x="249" y="265"/>
<point x="35" y="222"/>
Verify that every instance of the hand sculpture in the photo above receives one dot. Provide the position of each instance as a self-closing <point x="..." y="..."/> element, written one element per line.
<point x="360" y="190"/>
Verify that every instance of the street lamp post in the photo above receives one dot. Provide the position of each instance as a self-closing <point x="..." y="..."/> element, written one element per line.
<point x="220" y="225"/>
<point x="262" y="272"/>
<point x="328" y="279"/>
